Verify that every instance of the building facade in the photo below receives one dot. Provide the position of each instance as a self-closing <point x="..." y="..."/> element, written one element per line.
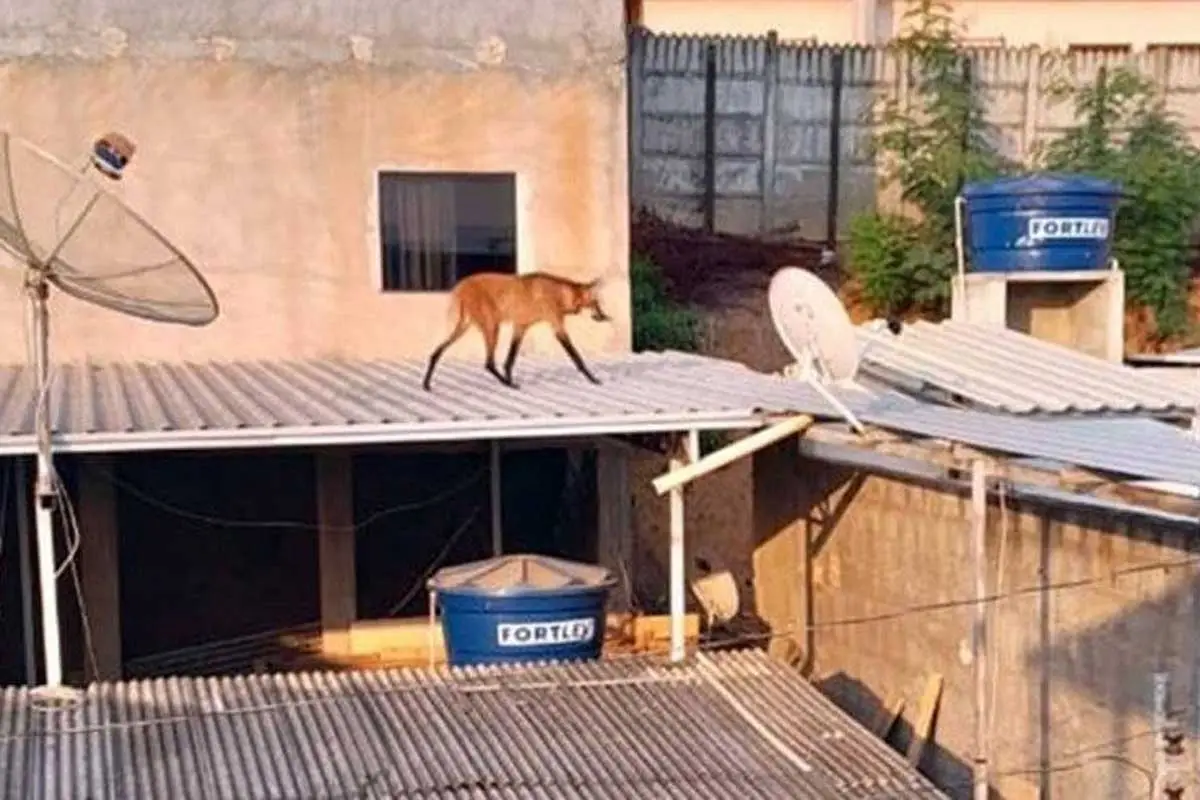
<point x="333" y="169"/>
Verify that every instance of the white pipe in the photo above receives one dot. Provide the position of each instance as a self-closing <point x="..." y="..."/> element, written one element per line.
<point x="24" y="542"/>
<point x="960" y="255"/>
<point x="678" y="572"/>
<point x="1168" y="487"/>
<point x="496" y="485"/>
<point x="727" y="455"/>
<point x="978" y="629"/>
<point x="45" y="484"/>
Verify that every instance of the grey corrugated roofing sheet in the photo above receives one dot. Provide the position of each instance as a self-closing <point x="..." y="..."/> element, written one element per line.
<point x="1136" y="448"/>
<point x="999" y="369"/>
<point x="158" y="406"/>
<point x="131" y="407"/>
<point x="732" y="725"/>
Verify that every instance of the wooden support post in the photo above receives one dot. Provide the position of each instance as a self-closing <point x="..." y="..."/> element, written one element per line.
<point x="335" y="550"/>
<point x="614" y="524"/>
<point x="100" y="564"/>
<point x="979" y="628"/>
<point x="678" y="570"/>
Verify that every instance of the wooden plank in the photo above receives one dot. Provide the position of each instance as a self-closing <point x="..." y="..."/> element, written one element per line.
<point x="685" y="474"/>
<point x="886" y="719"/>
<point x="926" y="713"/>
<point x="1014" y="787"/>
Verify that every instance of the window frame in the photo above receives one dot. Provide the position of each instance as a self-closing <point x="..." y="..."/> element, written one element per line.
<point x="374" y="233"/>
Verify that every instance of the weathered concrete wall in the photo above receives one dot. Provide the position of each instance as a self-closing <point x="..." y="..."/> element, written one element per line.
<point x="260" y="128"/>
<point x="1073" y="652"/>
<point x="775" y="131"/>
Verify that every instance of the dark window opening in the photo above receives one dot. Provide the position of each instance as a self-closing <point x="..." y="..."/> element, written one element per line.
<point x="438" y="228"/>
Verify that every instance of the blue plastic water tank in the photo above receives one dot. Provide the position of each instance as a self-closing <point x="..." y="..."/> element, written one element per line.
<point x="1047" y="222"/>
<point x="522" y="608"/>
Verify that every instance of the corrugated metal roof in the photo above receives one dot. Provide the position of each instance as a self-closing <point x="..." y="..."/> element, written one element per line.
<point x="147" y="406"/>
<point x="1137" y="448"/>
<point x="733" y="725"/>
<point x="1187" y="357"/>
<point x="1004" y="370"/>
<point x="133" y="407"/>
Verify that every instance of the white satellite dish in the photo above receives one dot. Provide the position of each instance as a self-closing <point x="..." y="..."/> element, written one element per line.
<point x="815" y="328"/>
<point x="70" y="233"/>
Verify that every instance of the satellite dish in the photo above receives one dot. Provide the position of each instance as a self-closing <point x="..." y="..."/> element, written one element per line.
<point x="814" y="326"/>
<point x="71" y="233"/>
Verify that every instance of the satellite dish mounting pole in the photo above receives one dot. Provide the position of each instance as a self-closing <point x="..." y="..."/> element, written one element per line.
<point x="45" y="486"/>
<point x="126" y="286"/>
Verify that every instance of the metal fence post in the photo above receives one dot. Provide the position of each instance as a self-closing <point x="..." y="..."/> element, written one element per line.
<point x="769" y="123"/>
<point x="837" y="76"/>
<point x="710" y="136"/>
<point x="635" y="67"/>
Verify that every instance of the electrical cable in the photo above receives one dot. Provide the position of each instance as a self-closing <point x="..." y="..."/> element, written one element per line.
<point x="993" y="621"/>
<point x="220" y="522"/>
<point x="66" y="510"/>
<point x="433" y="565"/>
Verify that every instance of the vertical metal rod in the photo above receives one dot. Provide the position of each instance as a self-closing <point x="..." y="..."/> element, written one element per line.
<point x="496" y="485"/>
<point x="431" y="632"/>
<point x="979" y="628"/>
<point x="24" y="551"/>
<point x="46" y="489"/>
<point x="1159" y="698"/>
<point x="678" y="572"/>
<point x="710" y="137"/>
<point x="835" y="148"/>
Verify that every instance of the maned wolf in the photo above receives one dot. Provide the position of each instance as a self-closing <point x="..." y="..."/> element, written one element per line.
<point x="488" y="299"/>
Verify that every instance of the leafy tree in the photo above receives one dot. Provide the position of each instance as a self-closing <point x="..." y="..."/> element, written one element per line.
<point x="1124" y="132"/>
<point x="932" y="144"/>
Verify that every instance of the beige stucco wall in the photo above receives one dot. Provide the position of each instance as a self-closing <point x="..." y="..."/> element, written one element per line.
<point x="263" y="170"/>
<point x="1052" y="23"/>
<point x="1063" y="22"/>
<point x="824" y="20"/>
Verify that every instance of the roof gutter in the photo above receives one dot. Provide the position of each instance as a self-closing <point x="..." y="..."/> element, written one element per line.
<point x="385" y="433"/>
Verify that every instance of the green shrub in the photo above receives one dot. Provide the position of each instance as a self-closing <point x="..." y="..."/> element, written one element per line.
<point x="932" y="144"/>
<point x="659" y="323"/>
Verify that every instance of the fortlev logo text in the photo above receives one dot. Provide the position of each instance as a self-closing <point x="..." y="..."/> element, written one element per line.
<point x="532" y="634"/>
<point x="1044" y="228"/>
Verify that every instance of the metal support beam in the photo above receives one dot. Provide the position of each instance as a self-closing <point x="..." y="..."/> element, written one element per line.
<point x="496" y="486"/>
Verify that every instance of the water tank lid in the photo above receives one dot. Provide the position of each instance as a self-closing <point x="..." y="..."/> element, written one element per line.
<point x="1041" y="183"/>
<point x="521" y="575"/>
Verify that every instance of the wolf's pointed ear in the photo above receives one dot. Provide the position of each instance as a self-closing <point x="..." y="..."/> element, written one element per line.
<point x="595" y="283"/>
